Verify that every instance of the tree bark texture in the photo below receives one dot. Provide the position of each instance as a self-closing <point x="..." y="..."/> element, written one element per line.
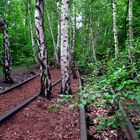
<point x="130" y="16"/>
<point x="31" y="32"/>
<point x="93" y="37"/>
<point x="115" y="28"/>
<point x="125" y="22"/>
<point x="65" y="77"/>
<point x="53" y="40"/>
<point x="7" y="56"/>
<point x="42" y="58"/>
<point x="74" y="34"/>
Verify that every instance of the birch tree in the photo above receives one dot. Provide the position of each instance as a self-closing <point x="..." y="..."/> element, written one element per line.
<point x="115" y="28"/>
<point x="58" y="15"/>
<point x="73" y="33"/>
<point x="42" y="58"/>
<point x="31" y="31"/>
<point x="7" y="56"/>
<point x="53" y="40"/>
<point x="92" y="34"/>
<point x="130" y="16"/>
<point x="65" y="77"/>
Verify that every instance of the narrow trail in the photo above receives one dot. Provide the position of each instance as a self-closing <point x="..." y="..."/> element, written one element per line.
<point x="39" y="121"/>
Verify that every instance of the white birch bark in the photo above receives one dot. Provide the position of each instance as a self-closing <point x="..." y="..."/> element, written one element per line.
<point x="58" y="44"/>
<point x="43" y="58"/>
<point x="74" y="32"/>
<point x="31" y="32"/>
<point x="115" y="28"/>
<point x="58" y="15"/>
<point x="93" y="39"/>
<point x="72" y="25"/>
<point x="7" y="56"/>
<point x="53" y="39"/>
<point x="130" y="16"/>
<point x="65" y="77"/>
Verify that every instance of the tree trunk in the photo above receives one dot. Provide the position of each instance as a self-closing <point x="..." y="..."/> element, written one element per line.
<point x="130" y="15"/>
<point x="7" y="56"/>
<point x="125" y="22"/>
<point x="58" y="15"/>
<point x="31" y="32"/>
<point x="65" y="77"/>
<point x="73" y="67"/>
<point x="43" y="58"/>
<point x="58" y="39"/>
<point x="74" y="33"/>
<point x="94" y="40"/>
<point x="115" y="29"/>
<point x="53" y="40"/>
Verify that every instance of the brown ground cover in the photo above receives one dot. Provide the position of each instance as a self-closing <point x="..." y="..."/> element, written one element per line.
<point x="38" y="121"/>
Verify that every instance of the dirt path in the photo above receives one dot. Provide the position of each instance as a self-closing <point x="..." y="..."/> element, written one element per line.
<point x="16" y="96"/>
<point x="39" y="122"/>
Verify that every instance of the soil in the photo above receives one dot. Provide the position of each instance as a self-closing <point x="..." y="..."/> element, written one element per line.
<point x="40" y="120"/>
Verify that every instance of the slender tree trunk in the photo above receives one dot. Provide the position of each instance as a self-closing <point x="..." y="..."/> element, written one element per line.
<point x="125" y="22"/>
<point x="94" y="40"/>
<point x="74" y="32"/>
<point x="58" y="39"/>
<point x="70" y="34"/>
<point x="31" y="32"/>
<point x="53" y="40"/>
<point x="73" y="42"/>
<point x="130" y="15"/>
<point x="43" y="58"/>
<point x="92" y="36"/>
<point x="65" y="77"/>
<point x="7" y="56"/>
<point x="58" y="15"/>
<point x="115" y="29"/>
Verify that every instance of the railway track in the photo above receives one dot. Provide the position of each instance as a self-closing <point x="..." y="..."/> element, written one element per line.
<point x="14" y="110"/>
<point x="5" y="95"/>
<point x="18" y="85"/>
<point x="18" y="107"/>
<point x="83" y="125"/>
<point x="127" y="126"/>
<point x="18" y="93"/>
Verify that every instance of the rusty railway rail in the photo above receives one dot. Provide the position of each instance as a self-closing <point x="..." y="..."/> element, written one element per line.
<point x="127" y="126"/>
<point x="11" y="112"/>
<point x="83" y="125"/>
<point x="20" y="106"/>
<point x="18" y="85"/>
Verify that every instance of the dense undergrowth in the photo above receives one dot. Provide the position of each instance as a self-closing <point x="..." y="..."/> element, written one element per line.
<point x="106" y="84"/>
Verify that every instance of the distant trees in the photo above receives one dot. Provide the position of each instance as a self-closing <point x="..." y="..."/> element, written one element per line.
<point x="7" y="64"/>
<point x="42" y="57"/>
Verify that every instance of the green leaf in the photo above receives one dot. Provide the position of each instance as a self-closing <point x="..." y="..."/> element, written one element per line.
<point x="111" y="101"/>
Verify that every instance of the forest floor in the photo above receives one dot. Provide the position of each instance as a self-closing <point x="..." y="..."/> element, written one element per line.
<point x="40" y="120"/>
